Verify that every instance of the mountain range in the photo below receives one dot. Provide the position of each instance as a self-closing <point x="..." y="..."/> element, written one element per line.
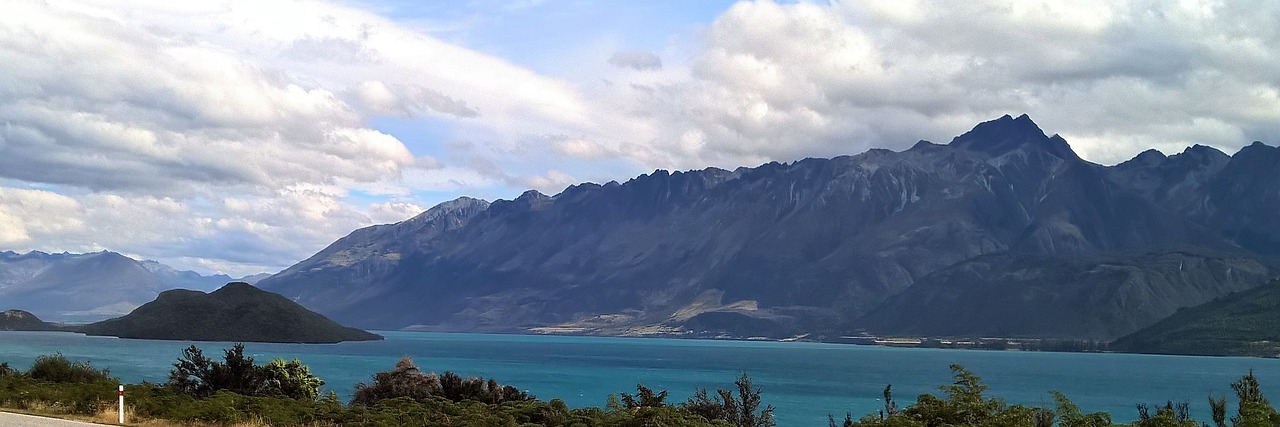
<point x="87" y="287"/>
<point x="1004" y="231"/>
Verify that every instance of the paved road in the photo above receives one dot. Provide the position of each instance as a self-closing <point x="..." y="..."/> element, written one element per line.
<point x="19" y="420"/>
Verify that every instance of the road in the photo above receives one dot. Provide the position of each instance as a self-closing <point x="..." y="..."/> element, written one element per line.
<point x="19" y="420"/>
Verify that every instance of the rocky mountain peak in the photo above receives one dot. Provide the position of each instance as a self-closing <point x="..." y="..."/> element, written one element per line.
<point x="1149" y="158"/>
<point x="1259" y="150"/>
<point x="1007" y="134"/>
<point x="459" y="207"/>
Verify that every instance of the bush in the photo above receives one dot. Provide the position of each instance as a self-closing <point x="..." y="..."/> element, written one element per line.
<point x="290" y="379"/>
<point x="56" y="368"/>
<point x="742" y="410"/>
<point x="22" y="392"/>
<point x="407" y="381"/>
<point x="198" y="376"/>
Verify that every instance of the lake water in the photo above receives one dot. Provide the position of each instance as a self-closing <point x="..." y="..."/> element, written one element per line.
<point x="804" y="381"/>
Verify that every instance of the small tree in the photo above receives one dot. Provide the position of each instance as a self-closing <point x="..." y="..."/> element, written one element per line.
<point x="890" y="407"/>
<point x="291" y="379"/>
<point x="1218" y="406"/>
<point x="1069" y="414"/>
<point x="196" y="375"/>
<point x="644" y="398"/>
<point x="405" y="380"/>
<point x="1254" y="410"/>
<point x="238" y="374"/>
<point x="742" y="410"/>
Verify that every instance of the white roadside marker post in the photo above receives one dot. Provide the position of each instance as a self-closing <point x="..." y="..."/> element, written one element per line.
<point x="121" y="404"/>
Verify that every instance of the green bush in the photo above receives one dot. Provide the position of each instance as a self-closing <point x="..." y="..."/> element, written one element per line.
<point x="56" y="368"/>
<point x="198" y="376"/>
<point x="22" y="392"/>
<point x="407" y="381"/>
<point x="290" y="379"/>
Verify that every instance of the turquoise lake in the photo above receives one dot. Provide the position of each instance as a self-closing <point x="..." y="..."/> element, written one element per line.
<point x="804" y="381"/>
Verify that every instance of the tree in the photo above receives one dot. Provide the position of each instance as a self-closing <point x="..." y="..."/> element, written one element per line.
<point x="644" y="398"/>
<point x="742" y="410"/>
<point x="1254" y="410"/>
<point x="1069" y="414"/>
<point x="405" y="380"/>
<point x="237" y="373"/>
<point x="1218" y="406"/>
<point x="890" y="407"/>
<point x="290" y="379"/>
<point x="192" y="374"/>
<point x="196" y="375"/>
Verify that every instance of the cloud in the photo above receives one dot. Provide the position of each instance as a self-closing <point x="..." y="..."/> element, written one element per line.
<point x="636" y="60"/>
<point x="99" y="101"/>
<point x="176" y="98"/>
<point x="230" y="134"/>
<point x="551" y="182"/>
<point x="410" y="101"/>
<point x="774" y="81"/>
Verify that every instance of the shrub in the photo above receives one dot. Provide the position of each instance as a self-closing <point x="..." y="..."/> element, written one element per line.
<point x="196" y="375"/>
<point x="290" y="379"/>
<point x="742" y="410"/>
<point x="407" y="380"/>
<point x="56" y="368"/>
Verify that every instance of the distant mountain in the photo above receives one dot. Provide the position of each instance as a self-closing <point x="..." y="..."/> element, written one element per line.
<point x="18" y="320"/>
<point x="237" y="312"/>
<point x="87" y="287"/>
<point x="172" y="278"/>
<point x="1005" y="230"/>
<point x="1240" y="324"/>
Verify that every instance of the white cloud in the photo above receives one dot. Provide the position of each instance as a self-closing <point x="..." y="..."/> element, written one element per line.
<point x="784" y="81"/>
<point x="551" y="182"/>
<point x="228" y="134"/>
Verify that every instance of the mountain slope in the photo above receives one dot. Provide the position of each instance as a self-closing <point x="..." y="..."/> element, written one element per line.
<point x="18" y="320"/>
<point x="236" y="312"/>
<point x="87" y="287"/>
<point x="1050" y="296"/>
<point x="1241" y="324"/>
<point x="814" y="246"/>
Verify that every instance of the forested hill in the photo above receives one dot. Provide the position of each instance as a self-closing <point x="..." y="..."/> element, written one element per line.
<point x="237" y="312"/>
<point x="1241" y="324"/>
<point x="18" y="320"/>
<point x="1002" y="231"/>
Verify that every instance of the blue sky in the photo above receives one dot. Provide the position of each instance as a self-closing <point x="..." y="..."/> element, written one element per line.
<point x="242" y="136"/>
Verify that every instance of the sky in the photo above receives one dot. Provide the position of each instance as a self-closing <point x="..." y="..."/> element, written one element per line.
<point x="244" y="136"/>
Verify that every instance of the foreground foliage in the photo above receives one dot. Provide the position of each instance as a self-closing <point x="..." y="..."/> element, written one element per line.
<point x="198" y="376"/>
<point x="236" y="391"/>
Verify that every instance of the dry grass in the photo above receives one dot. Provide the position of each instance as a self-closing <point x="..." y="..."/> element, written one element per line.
<point x="109" y="416"/>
